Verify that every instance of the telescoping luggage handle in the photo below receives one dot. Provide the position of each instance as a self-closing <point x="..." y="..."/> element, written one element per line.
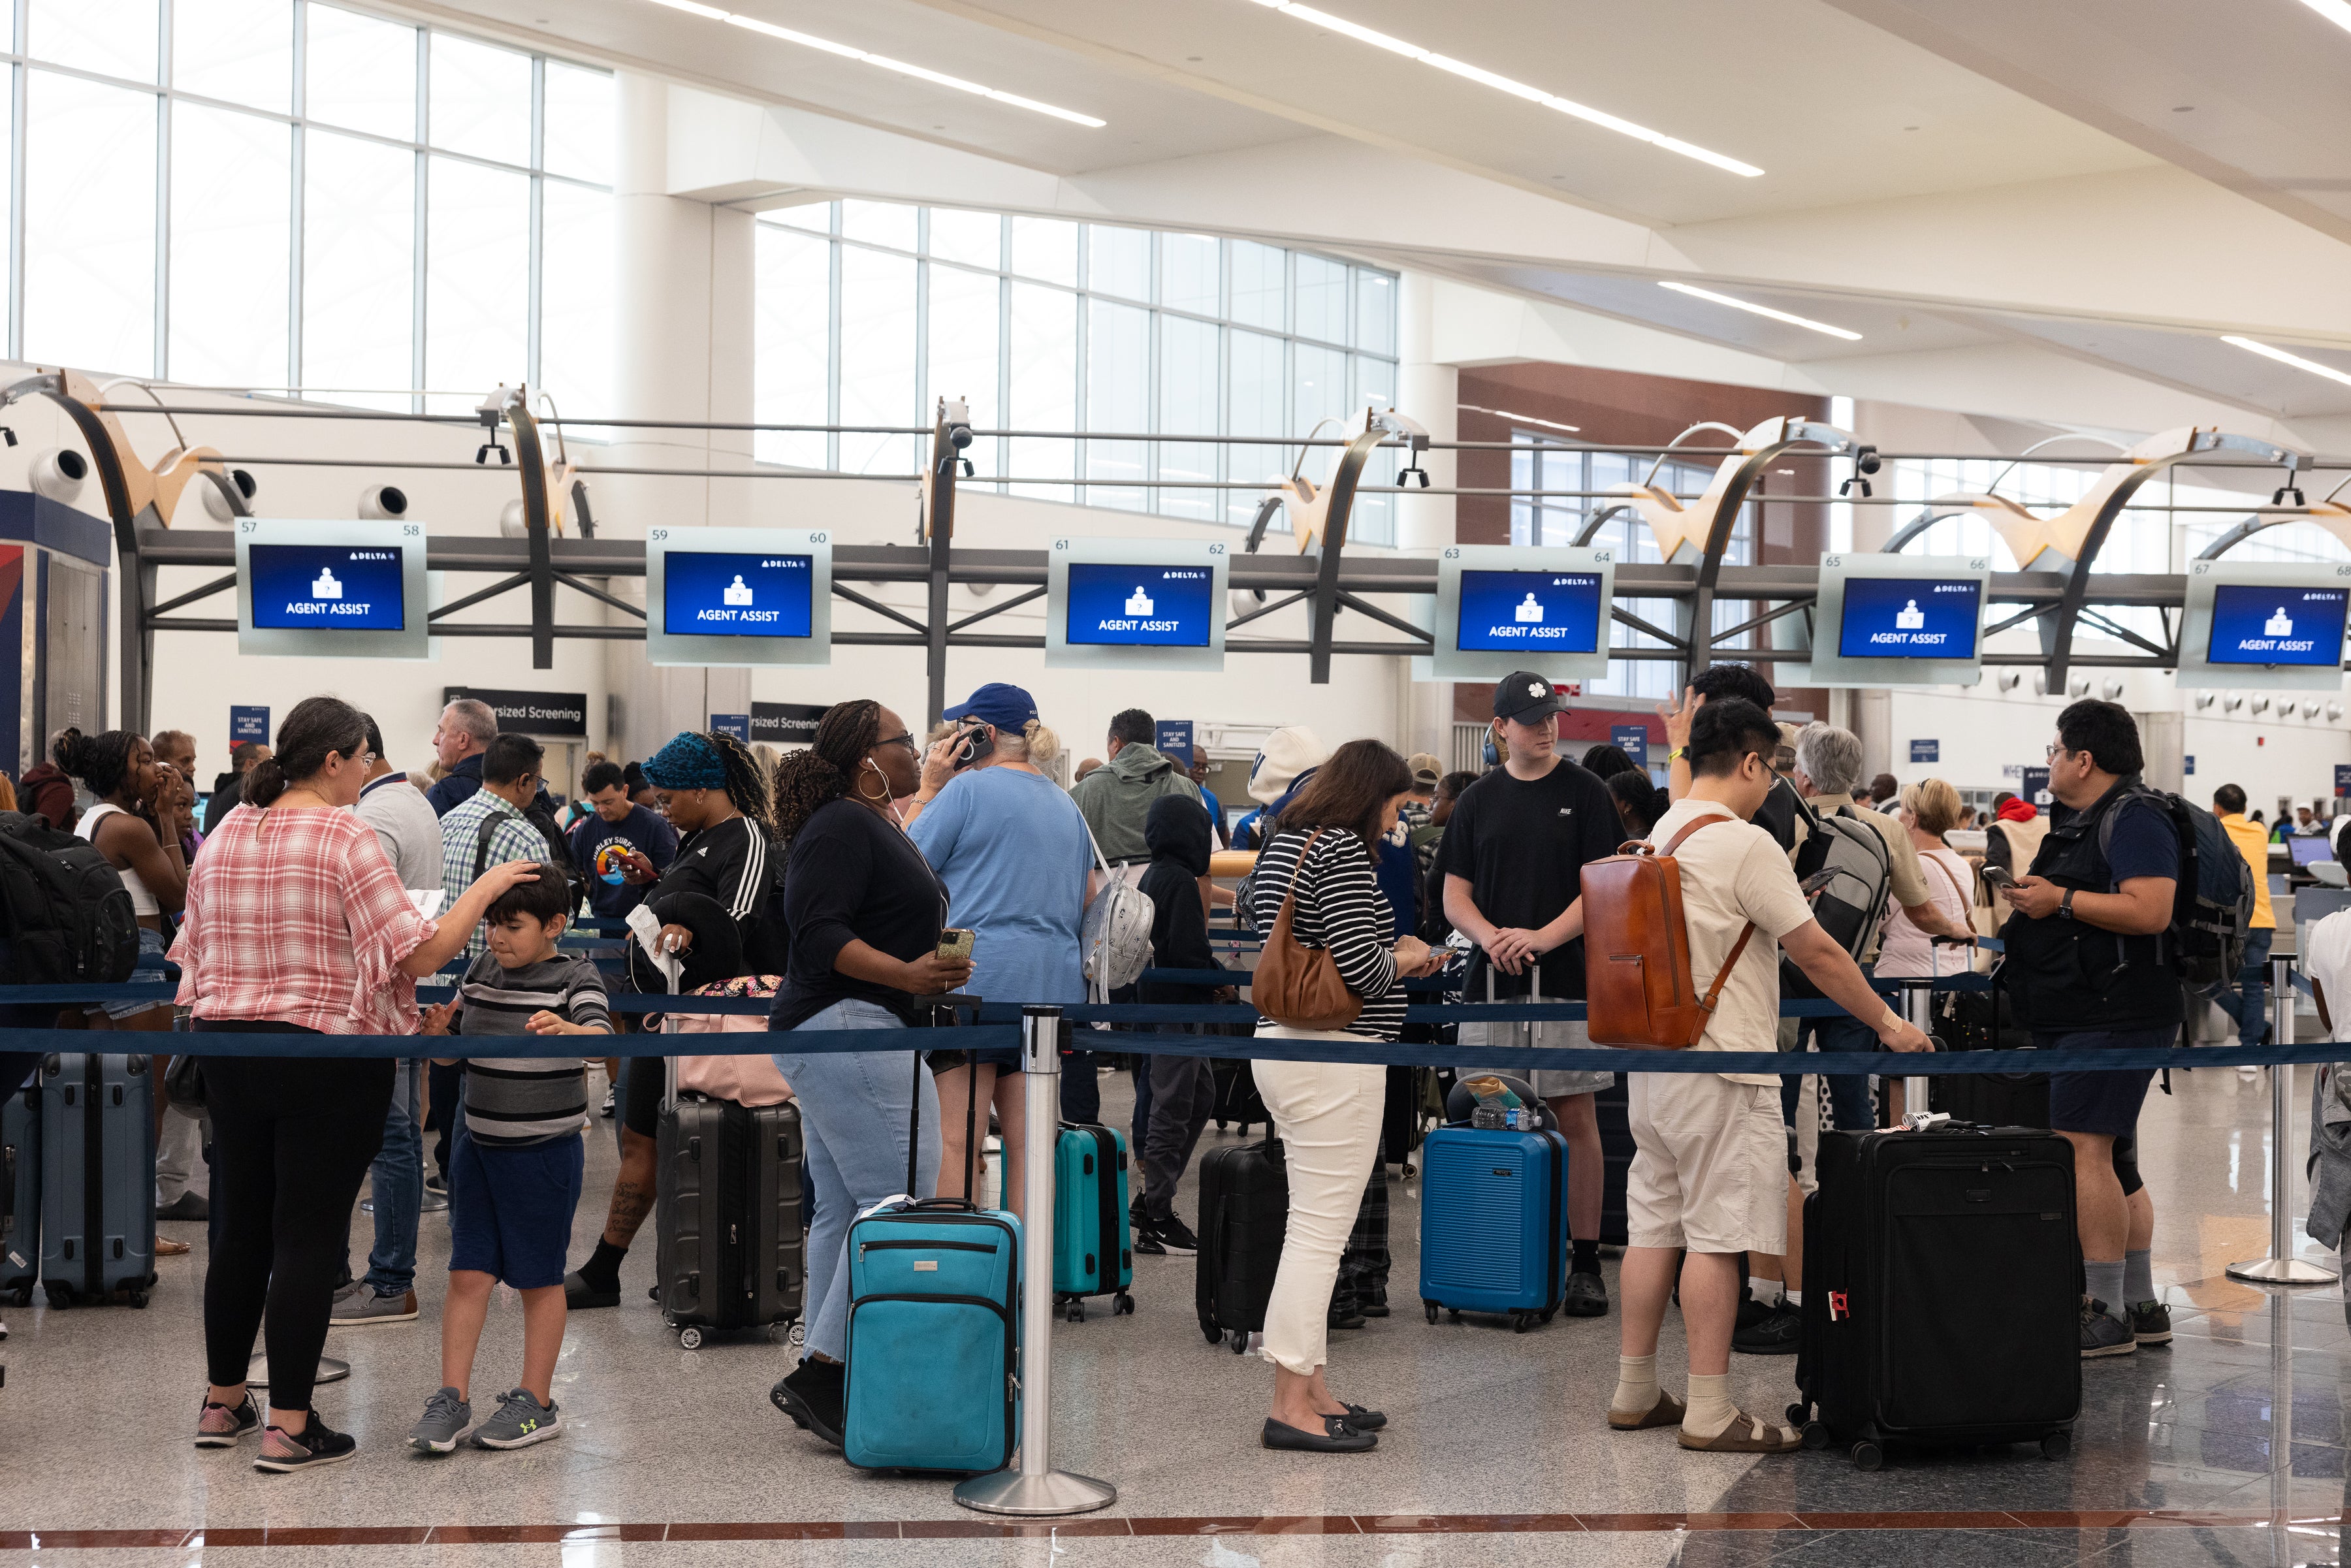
<point x="968" y="1202"/>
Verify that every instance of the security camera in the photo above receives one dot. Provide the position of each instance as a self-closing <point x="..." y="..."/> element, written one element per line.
<point x="216" y="505"/>
<point x="956" y="415"/>
<point x="57" y="474"/>
<point x="380" y="501"/>
<point x="1865" y="461"/>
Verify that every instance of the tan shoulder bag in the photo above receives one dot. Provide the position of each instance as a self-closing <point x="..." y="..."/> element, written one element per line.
<point x="1296" y="986"/>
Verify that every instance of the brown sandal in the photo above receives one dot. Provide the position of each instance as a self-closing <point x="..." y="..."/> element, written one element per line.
<point x="1667" y="1412"/>
<point x="1748" y="1435"/>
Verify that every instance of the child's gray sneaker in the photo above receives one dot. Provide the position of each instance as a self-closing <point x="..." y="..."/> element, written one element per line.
<point x="521" y="1421"/>
<point x="446" y="1417"/>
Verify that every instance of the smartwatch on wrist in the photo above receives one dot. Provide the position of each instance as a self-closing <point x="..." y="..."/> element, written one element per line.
<point x="2065" y="905"/>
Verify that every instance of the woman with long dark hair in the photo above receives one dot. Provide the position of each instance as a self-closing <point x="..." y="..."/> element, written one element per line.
<point x="143" y="813"/>
<point x="296" y="924"/>
<point x="865" y="911"/>
<point x="1323" y="850"/>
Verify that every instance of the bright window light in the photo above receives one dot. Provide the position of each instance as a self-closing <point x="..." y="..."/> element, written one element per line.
<point x="2335" y="11"/>
<point x="2296" y="360"/>
<point x="847" y="52"/>
<point x="1500" y="83"/>
<point x="1754" y="309"/>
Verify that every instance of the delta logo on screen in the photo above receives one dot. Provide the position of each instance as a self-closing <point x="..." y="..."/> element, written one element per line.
<point x="2258" y="625"/>
<point x="711" y="594"/>
<point x="326" y="587"/>
<point x="1139" y="606"/>
<point x="1553" y="612"/>
<point x="1910" y="617"/>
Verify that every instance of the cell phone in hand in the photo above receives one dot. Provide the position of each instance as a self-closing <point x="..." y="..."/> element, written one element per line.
<point x="955" y="943"/>
<point x="2000" y="877"/>
<point x="971" y="745"/>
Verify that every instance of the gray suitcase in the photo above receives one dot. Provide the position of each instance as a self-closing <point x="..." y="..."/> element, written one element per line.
<point x="98" y="1178"/>
<point x="20" y="1193"/>
<point x="728" y="1214"/>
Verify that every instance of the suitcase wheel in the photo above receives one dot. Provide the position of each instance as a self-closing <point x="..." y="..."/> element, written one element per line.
<point x="1122" y="1305"/>
<point x="2056" y="1446"/>
<point x="1868" y="1457"/>
<point x="1239" y="1341"/>
<point x="1816" y="1436"/>
<point x="1547" y="1314"/>
<point x="1214" y="1334"/>
<point x="1452" y="1314"/>
<point x="1521" y="1321"/>
<point x="1429" y="1310"/>
<point x="689" y="1338"/>
<point x="1800" y="1415"/>
<point x="60" y="1296"/>
<point x="1076" y="1312"/>
<point x="138" y="1298"/>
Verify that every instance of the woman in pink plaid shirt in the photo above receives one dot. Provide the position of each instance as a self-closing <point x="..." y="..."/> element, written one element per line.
<point x="296" y="924"/>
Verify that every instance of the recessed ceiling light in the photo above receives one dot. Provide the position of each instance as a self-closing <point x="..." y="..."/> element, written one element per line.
<point x="1500" y="83"/>
<point x="810" y="41"/>
<point x="2296" y="360"/>
<point x="1753" y="308"/>
<point x="2335" y="11"/>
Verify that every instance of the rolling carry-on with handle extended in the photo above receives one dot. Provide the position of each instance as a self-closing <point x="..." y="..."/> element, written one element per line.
<point x="20" y="1228"/>
<point x="1897" y="1344"/>
<point x="1244" y="1214"/>
<point x="1493" y="1218"/>
<point x="98" y="1178"/>
<point x="727" y="1213"/>
<point x="933" y="1380"/>
<point x="1092" y="1250"/>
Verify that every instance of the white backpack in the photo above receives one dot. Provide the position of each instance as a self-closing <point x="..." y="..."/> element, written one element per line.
<point x="1116" y="940"/>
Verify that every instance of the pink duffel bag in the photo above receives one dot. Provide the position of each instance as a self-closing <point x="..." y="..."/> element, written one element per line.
<point x="746" y="1079"/>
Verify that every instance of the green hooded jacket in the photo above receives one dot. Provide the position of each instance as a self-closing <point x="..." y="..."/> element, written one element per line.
<point x="1115" y="798"/>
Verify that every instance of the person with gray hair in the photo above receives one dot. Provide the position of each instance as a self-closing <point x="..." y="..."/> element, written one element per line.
<point x="465" y="730"/>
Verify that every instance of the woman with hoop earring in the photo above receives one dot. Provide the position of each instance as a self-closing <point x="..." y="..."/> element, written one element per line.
<point x="865" y="911"/>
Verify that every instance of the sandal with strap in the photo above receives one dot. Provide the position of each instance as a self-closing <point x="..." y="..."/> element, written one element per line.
<point x="1667" y="1412"/>
<point x="1748" y="1435"/>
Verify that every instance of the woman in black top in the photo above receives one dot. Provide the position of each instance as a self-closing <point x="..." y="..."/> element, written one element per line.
<point x="865" y="912"/>
<point x="1328" y="1114"/>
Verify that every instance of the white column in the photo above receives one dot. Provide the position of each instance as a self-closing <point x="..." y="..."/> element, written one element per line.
<point x="1428" y="391"/>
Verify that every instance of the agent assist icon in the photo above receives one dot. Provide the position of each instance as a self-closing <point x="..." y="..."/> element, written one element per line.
<point x="1138" y="603"/>
<point x="2280" y="625"/>
<point x="734" y="592"/>
<point x="1910" y="617"/>
<point x="327" y="587"/>
<point x="1528" y="613"/>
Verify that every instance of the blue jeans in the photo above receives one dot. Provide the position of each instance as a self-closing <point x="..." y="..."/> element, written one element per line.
<point x="396" y="1182"/>
<point x="854" y="1107"/>
<point x="2248" y="1002"/>
<point x="1848" y="1092"/>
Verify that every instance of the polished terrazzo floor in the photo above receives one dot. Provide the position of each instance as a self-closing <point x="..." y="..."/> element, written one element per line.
<point x="1498" y="1453"/>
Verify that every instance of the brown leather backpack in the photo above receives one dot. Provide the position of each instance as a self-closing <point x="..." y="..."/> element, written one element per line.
<point x="1636" y="951"/>
<point x="1297" y="985"/>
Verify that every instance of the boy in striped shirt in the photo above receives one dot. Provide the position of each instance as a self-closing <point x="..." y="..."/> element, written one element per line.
<point x="514" y="1175"/>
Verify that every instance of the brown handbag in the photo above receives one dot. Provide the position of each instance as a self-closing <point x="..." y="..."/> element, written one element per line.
<point x="1637" y="954"/>
<point x="1296" y="986"/>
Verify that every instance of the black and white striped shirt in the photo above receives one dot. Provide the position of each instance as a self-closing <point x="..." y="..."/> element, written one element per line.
<point x="515" y="1100"/>
<point x="1340" y="906"/>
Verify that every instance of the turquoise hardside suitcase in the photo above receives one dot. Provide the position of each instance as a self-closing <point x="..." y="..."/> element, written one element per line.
<point x="1093" y="1252"/>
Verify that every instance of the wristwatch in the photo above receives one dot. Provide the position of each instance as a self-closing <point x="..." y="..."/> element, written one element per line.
<point x="2065" y="905"/>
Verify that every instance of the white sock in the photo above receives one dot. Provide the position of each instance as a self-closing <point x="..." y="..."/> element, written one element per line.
<point x="1637" y="1386"/>
<point x="1710" y="1408"/>
<point x="1767" y="1291"/>
<point x="1795" y="1298"/>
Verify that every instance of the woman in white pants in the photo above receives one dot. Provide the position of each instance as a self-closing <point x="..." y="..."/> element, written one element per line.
<point x="1328" y="1114"/>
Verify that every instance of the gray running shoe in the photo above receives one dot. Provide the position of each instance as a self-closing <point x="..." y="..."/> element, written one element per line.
<point x="446" y="1414"/>
<point x="357" y="1304"/>
<point x="521" y="1421"/>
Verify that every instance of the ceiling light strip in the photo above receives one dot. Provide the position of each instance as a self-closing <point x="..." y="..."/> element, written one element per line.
<point x="1754" y="309"/>
<point x="2284" y="358"/>
<point x="1501" y="83"/>
<point x="902" y="67"/>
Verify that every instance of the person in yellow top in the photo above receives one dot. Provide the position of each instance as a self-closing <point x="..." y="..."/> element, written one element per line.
<point x="2248" y="1002"/>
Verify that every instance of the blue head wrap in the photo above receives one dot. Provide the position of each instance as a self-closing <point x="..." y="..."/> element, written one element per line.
<point x="687" y="762"/>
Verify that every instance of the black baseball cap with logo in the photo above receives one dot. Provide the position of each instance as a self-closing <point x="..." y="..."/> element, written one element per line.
<point x="1526" y="697"/>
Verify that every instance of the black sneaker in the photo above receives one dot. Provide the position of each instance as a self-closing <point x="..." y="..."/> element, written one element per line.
<point x="813" y="1398"/>
<point x="1177" y="1235"/>
<point x="2150" y="1323"/>
<point x="1146" y="1243"/>
<point x="1776" y="1330"/>
<point x="2103" y="1333"/>
<point x="315" y="1444"/>
<point x="223" y="1425"/>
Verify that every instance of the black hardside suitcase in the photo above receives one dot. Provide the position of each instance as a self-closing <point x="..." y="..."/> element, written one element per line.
<point x="1244" y="1211"/>
<point x="1899" y="1343"/>
<point x="20" y="1203"/>
<point x="1237" y="1102"/>
<point x="727" y="1215"/>
<point x="1614" y="1109"/>
<point x="1401" y="1126"/>
<point x="98" y="1178"/>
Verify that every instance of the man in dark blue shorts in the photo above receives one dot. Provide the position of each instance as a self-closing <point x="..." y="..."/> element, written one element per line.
<point x="2088" y="949"/>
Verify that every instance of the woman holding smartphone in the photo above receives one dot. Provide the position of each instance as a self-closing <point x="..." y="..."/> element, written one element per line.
<point x="866" y="913"/>
<point x="1011" y="847"/>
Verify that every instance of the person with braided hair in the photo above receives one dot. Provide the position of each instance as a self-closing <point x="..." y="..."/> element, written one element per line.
<point x="865" y="911"/>
<point x="135" y="798"/>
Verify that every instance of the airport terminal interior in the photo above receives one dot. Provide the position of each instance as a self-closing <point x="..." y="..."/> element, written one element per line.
<point x="615" y="393"/>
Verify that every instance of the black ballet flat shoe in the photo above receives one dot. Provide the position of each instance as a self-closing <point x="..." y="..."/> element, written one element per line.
<point x="1361" y="1419"/>
<point x="1338" y="1436"/>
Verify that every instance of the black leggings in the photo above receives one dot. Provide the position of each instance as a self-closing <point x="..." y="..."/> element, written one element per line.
<point x="292" y="1139"/>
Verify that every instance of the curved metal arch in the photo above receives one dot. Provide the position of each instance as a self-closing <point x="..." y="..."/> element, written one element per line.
<point x="1320" y="516"/>
<point x="513" y="405"/>
<point x="2328" y="513"/>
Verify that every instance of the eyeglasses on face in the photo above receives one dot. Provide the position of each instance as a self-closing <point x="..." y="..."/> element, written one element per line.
<point x="906" y="740"/>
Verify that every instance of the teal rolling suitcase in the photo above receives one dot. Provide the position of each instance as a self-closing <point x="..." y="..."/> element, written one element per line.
<point x="1093" y="1252"/>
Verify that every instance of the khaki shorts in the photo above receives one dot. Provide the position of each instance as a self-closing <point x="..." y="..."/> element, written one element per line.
<point x="1551" y="1034"/>
<point x="1710" y="1164"/>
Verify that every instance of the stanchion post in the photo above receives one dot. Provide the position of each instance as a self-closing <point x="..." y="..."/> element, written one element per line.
<point x="2281" y="1267"/>
<point x="1920" y="1003"/>
<point x="1030" y="1487"/>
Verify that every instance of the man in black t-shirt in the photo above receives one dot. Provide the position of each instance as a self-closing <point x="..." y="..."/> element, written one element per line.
<point x="1512" y="858"/>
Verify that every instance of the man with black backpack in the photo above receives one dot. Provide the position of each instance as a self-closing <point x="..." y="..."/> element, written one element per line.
<point x="2096" y="947"/>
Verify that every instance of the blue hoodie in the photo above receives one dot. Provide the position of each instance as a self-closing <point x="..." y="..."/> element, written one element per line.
<point x="1396" y="857"/>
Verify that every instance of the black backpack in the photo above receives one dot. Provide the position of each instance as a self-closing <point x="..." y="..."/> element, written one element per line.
<point x="2211" y="904"/>
<point x="559" y="848"/>
<point x="67" y="917"/>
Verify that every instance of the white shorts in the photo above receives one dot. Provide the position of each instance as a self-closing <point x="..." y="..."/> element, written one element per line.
<point x="1552" y="1034"/>
<point x="1709" y="1166"/>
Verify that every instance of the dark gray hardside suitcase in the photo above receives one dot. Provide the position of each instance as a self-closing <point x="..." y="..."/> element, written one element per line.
<point x="98" y="1178"/>
<point x="1244" y="1215"/>
<point x="20" y="1191"/>
<point x="726" y="1216"/>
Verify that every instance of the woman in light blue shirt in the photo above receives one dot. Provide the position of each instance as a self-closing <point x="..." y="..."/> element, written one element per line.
<point x="1012" y="849"/>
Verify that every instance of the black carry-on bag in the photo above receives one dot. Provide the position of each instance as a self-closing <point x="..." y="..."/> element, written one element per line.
<point x="728" y="1213"/>
<point x="1897" y="1344"/>
<point x="1244" y="1215"/>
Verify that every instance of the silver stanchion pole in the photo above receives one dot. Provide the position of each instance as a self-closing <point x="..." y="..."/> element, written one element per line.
<point x="1920" y="1001"/>
<point x="2281" y="1267"/>
<point x="1031" y="1488"/>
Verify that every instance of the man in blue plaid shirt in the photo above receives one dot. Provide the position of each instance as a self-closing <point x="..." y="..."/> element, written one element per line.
<point x="487" y="827"/>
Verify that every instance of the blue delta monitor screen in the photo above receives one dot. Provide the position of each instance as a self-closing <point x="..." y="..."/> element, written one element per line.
<point x="1910" y="617"/>
<point x="1555" y="612"/>
<point x="2257" y="625"/>
<point x="1139" y="606"/>
<point x="713" y="593"/>
<point x="329" y="588"/>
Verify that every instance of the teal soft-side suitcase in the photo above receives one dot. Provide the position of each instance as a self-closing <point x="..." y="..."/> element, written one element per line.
<point x="933" y="1380"/>
<point x="1093" y="1252"/>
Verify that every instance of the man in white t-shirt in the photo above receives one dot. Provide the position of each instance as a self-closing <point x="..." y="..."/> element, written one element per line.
<point x="1710" y="1170"/>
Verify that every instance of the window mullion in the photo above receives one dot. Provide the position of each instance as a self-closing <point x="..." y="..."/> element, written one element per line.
<point x="159" y="362"/>
<point x="296" y="208"/>
<point x="536" y="286"/>
<point x="419" y="255"/>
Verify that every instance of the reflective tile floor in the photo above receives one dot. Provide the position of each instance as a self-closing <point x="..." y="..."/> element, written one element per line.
<point x="2229" y="1446"/>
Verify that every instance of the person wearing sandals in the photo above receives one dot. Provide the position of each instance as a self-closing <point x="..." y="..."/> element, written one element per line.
<point x="865" y="911"/>
<point x="1709" y="1166"/>
<point x="1319" y="860"/>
